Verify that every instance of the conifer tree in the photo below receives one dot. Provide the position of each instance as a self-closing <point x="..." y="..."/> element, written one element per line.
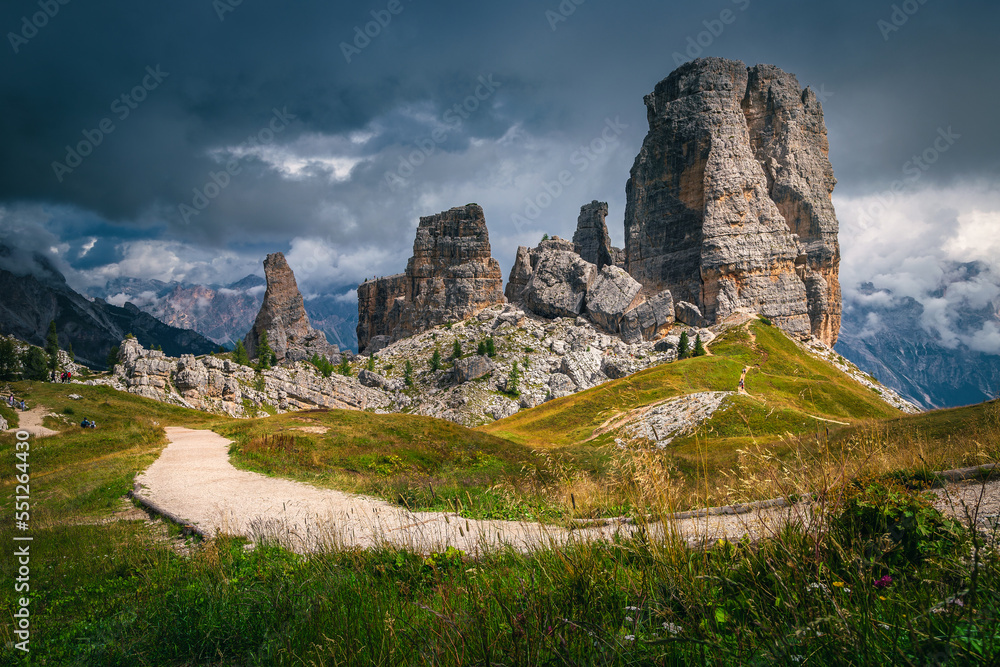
<point x="264" y="353"/>
<point x="52" y="346"/>
<point x="408" y="374"/>
<point x="682" y="346"/>
<point x="456" y="349"/>
<point x="240" y="354"/>
<point x="435" y="360"/>
<point x="112" y="358"/>
<point x="10" y="363"/>
<point x="699" y="349"/>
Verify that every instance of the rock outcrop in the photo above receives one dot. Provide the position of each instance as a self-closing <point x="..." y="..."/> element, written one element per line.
<point x="283" y="317"/>
<point x="451" y="276"/>
<point x="221" y="386"/>
<point x="728" y="204"/>
<point x="553" y="280"/>
<point x="591" y="236"/>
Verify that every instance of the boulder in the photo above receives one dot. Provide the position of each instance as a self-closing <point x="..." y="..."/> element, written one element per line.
<point x="610" y="296"/>
<point x="472" y="368"/>
<point x="689" y="314"/>
<point x="560" y="385"/>
<point x="559" y="284"/>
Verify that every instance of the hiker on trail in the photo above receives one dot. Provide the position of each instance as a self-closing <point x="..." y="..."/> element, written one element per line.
<point x="85" y="423"/>
<point x="23" y="406"/>
<point x="69" y="376"/>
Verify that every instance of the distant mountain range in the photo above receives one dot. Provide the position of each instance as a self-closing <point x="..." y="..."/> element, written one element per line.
<point x="887" y="337"/>
<point x="33" y="293"/>
<point x="224" y="313"/>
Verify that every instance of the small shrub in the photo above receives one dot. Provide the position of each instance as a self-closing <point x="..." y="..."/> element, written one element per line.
<point x="371" y="363"/>
<point x="345" y="366"/>
<point x="481" y="350"/>
<point x="764" y="320"/>
<point x="408" y="374"/>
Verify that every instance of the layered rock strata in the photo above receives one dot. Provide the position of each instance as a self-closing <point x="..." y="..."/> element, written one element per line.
<point x="451" y="276"/>
<point x="282" y="316"/>
<point x="728" y="204"/>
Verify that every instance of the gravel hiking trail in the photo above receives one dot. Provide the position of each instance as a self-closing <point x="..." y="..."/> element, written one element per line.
<point x="31" y="421"/>
<point x="194" y="483"/>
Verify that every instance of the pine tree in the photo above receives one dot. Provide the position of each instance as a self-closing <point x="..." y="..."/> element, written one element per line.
<point x="436" y="360"/>
<point x="264" y="353"/>
<point x="408" y="374"/>
<point x="682" y="346"/>
<point x="456" y="349"/>
<point x="699" y="349"/>
<point x="481" y="350"/>
<point x="345" y="366"/>
<point x="491" y="350"/>
<point x="10" y="363"/>
<point x="371" y="363"/>
<point x="514" y="381"/>
<point x="112" y="357"/>
<point x="545" y="237"/>
<point x="240" y="354"/>
<point x="35" y="364"/>
<point x="52" y="346"/>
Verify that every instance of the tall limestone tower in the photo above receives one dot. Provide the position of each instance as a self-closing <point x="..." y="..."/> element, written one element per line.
<point x="729" y="201"/>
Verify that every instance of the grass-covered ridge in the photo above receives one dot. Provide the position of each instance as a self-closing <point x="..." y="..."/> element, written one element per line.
<point x="792" y="389"/>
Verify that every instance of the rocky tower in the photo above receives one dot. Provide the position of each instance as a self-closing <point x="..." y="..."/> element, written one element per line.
<point x="591" y="236"/>
<point x="451" y="276"/>
<point x="728" y="204"/>
<point x="283" y="316"/>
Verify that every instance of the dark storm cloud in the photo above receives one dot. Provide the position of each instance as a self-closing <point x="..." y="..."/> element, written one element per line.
<point x="323" y="176"/>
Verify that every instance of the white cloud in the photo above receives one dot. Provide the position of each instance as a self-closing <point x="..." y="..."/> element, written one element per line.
<point x="921" y="245"/>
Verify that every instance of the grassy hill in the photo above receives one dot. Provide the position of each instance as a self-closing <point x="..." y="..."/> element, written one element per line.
<point x="108" y="589"/>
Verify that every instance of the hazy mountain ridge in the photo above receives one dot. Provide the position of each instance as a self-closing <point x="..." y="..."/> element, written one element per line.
<point x="893" y="339"/>
<point x="224" y="313"/>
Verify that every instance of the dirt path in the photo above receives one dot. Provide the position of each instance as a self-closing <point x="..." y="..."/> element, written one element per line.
<point x="31" y="421"/>
<point x="194" y="482"/>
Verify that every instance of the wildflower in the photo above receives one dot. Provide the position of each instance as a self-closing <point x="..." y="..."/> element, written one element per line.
<point x="630" y="619"/>
<point x="838" y="584"/>
<point x="631" y="609"/>
<point x="883" y="582"/>
<point x="630" y="638"/>
<point x="882" y="597"/>
<point x="672" y="628"/>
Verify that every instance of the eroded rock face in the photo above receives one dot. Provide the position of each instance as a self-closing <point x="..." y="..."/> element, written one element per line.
<point x="591" y="236"/>
<point x="559" y="284"/>
<point x="610" y="297"/>
<point x="283" y="316"/>
<point x="734" y="167"/>
<point x="451" y="276"/>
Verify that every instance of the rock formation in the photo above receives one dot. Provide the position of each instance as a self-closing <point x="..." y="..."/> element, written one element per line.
<point x="728" y="204"/>
<point x="222" y="386"/>
<point x="451" y="276"/>
<point x="591" y="236"/>
<point x="553" y="280"/>
<point x="283" y="317"/>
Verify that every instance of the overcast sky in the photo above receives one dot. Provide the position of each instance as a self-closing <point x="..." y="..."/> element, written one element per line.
<point x="121" y="120"/>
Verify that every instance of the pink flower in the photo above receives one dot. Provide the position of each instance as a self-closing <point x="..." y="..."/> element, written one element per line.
<point x="883" y="582"/>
